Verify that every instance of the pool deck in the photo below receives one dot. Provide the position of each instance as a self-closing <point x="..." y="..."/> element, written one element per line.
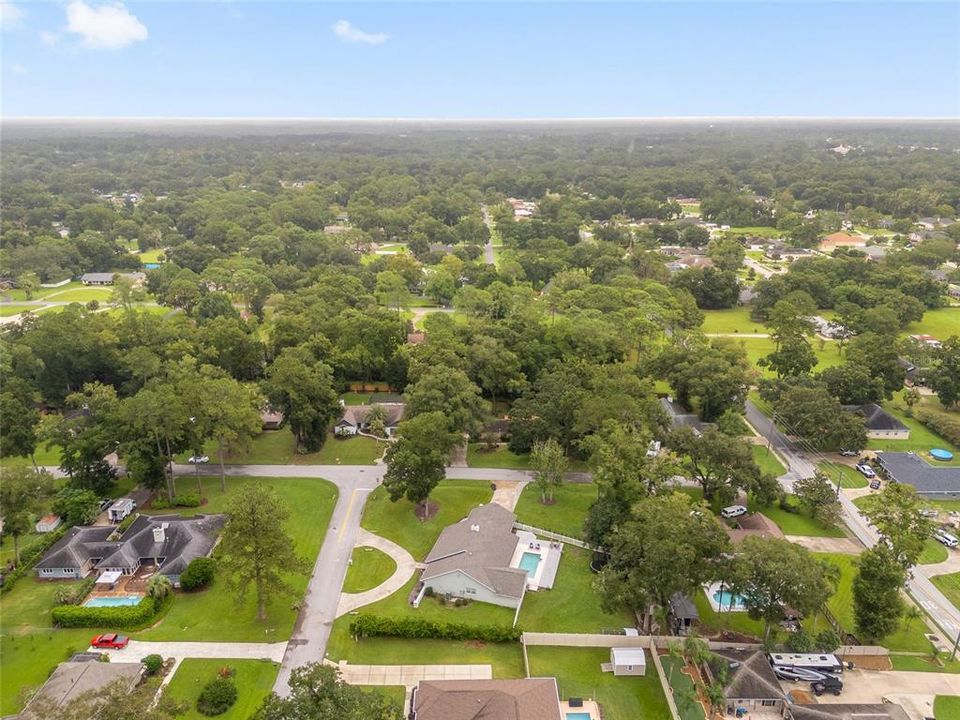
<point x="543" y="577"/>
<point x="590" y="708"/>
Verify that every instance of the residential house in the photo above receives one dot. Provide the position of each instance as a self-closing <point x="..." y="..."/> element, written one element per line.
<point x="928" y="340"/>
<point x="523" y="699"/>
<point x="167" y="542"/>
<point x="935" y="483"/>
<point x="270" y="419"/>
<point x="48" y="523"/>
<point x="356" y="418"/>
<point x="107" y="278"/>
<point x="680" y="416"/>
<point x="828" y="328"/>
<point x="840" y="240"/>
<point x="752" y="525"/>
<point x="628" y="661"/>
<point x="875" y="252"/>
<point x="881" y="425"/>
<point x="472" y="559"/>
<point x="913" y="375"/>
<point x="72" y="680"/>
<point x="751" y="682"/>
<point x="779" y="251"/>
<point x="845" y="711"/>
<point x="120" y="509"/>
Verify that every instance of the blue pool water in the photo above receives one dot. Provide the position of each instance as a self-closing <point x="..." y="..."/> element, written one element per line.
<point x="530" y="562"/>
<point x="578" y="716"/>
<point x="117" y="601"/>
<point x="728" y="601"/>
<point x="151" y="266"/>
<point x="941" y="454"/>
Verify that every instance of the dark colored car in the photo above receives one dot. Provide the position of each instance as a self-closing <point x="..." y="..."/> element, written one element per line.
<point x="110" y="641"/>
<point x="828" y="684"/>
<point x="874" y="484"/>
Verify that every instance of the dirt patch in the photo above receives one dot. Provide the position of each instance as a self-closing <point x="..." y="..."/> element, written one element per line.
<point x="870" y="662"/>
<point x="426" y="510"/>
<point x="476" y="644"/>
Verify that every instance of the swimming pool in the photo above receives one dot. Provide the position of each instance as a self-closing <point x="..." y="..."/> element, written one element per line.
<point x="941" y="454"/>
<point x="530" y="562"/>
<point x="117" y="601"/>
<point x="727" y="601"/>
<point x="578" y="716"/>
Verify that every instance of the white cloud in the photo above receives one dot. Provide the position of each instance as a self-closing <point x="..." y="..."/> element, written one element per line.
<point x="11" y="16"/>
<point x="18" y="69"/>
<point x="344" y="30"/>
<point x="49" y="38"/>
<point x="106" y="27"/>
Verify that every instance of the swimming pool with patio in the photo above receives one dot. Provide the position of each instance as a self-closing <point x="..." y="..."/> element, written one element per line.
<point x="113" y="600"/>
<point x="722" y="600"/>
<point x="538" y="558"/>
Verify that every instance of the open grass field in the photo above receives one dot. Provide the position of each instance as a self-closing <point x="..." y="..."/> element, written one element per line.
<point x="368" y="568"/>
<point x="572" y="605"/>
<point x="10" y="310"/>
<point x="827" y="356"/>
<point x="277" y="447"/>
<point x="499" y="457"/>
<point x="41" y="293"/>
<point x="81" y="295"/>
<point x="941" y="323"/>
<point x="254" y="680"/>
<point x="396" y="520"/>
<point x="795" y="523"/>
<point x="734" y="320"/>
<point x="152" y="256"/>
<point x="578" y="675"/>
<point x="45" y="457"/>
<point x="212" y="613"/>
<point x="565" y="516"/>
<point x="755" y="231"/>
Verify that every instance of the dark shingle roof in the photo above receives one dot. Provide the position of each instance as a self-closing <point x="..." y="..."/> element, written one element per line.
<point x="908" y="468"/>
<point x="876" y="417"/>
<point x="751" y="677"/>
<point x="76" y="547"/>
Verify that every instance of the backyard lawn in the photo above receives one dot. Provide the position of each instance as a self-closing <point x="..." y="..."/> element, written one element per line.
<point x="759" y="347"/>
<point x="572" y="605"/>
<point x="682" y="687"/>
<point x="578" y="675"/>
<point x="254" y="680"/>
<point x="499" y="457"/>
<point x="941" y="323"/>
<point x="735" y="320"/>
<point x="396" y="520"/>
<point x="213" y="611"/>
<point x="739" y="622"/>
<point x="565" y="516"/>
<point x="368" y="568"/>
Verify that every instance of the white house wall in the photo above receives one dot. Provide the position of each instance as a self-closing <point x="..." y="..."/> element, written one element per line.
<point x="459" y="584"/>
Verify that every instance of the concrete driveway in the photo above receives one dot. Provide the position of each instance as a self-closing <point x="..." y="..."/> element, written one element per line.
<point x="138" y="649"/>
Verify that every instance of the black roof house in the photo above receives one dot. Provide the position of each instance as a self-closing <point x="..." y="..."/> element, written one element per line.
<point x="929" y="480"/>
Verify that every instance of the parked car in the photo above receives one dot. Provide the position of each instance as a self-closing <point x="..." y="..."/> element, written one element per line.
<point x="829" y="683"/>
<point x="866" y="470"/>
<point x="732" y="511"/>
<point x="198" y="460"/>
<point x="929" y="513"/>
<point x="849" y="453"/>
<point x="110" y="641"/>
<point x="874" y="484"/>
<point x="946" y="538"/>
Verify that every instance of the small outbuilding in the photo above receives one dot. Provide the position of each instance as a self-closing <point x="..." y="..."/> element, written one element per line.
<point x="48" y="523"/>
<point x="628" y="661"/>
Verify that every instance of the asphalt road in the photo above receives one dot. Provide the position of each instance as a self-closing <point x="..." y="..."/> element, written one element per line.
<point x="488" y="255"/>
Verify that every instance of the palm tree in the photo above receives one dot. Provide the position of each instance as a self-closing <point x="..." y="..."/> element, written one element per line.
<point x="673" y="649"/>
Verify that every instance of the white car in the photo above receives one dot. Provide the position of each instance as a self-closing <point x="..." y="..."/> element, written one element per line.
<point x="733" y="511"/>
<point x="946" y="538"/>
<point x="866" y="470"/>
<point x="198" y="460"/>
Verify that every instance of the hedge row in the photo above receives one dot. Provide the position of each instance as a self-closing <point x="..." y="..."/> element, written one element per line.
<point x="421" y="629"/>
<point x="189" y="499"/>
<point x="943" y="424"/>
<point x="78" y="616"/>
<point x="30" y="557"/>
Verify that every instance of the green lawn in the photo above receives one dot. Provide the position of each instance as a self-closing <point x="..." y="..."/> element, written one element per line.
<point x="212" y="614"/>
<point x="734" y="320"/>
<point x="759" y="347"/>
<point x="578" y="675"/>
<point x="41" y="293"/>
<point x="946" y="707"/>
<point x="572" y="605"/>
<point x="933" y="553"/>
<point x="565" y="516"/>
<point x="254" y="680"/>
<point x="81" y="295"/>
<point x="499" y="457"/>
<point x="151" y="256"/>
<point x="9" y="310"/>
<point x="277" y="447"/>
<point x="795" y="523"/>
<point x="738" y="622"/>
<point x="368" y="568"/>
<point x="767" y="461"/>
<point x="949" y="585"/>
<point x="941" y="323"/>
<point x="755" y="231"/>
<point x="849" y="478"/>
<point x="682" y="685"/>
<point x="924" y="663"/>
<point x="397" y="522"/>
<point x="45" y="456"/>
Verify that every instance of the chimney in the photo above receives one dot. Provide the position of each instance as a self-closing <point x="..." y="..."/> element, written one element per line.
<point x="159" y="533"/>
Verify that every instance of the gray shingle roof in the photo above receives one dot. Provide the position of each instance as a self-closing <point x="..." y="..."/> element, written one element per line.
<point x="70" y="680"/>
<point x="751" y="677"/>
<point x="876" y="417"/>
<point x="356" y="415"/>
<point x="76" y="547"/>
<point x="482" y="546"/>
<point x="909" y="468"/>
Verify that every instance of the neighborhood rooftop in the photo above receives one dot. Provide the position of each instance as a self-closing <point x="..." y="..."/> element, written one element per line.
<point x="527" y="699"/>
<point x="929" y="481"/>
<point x="876" y="418"/>
<point x="70" y="680"/>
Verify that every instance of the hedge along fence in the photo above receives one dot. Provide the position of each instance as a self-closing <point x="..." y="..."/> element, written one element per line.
<point x="30" y="556"/>
<point x="420" y="629"/>
<point x="128" y="616"/>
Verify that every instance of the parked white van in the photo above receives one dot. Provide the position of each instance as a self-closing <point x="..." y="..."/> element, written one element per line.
<point x="946" y="538"/>
<point x="733" y="511"/>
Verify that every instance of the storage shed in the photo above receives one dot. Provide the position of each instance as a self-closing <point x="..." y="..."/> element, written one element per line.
<point x="628" y="661"/>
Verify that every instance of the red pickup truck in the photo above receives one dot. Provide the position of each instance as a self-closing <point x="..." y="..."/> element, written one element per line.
<point x="110" y="640"/>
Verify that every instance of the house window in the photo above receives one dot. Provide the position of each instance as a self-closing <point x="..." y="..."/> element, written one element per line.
<point x="629" y="668"/>
<point x="768" y="703"/>
<point x="46" y="571"/>
<point x="470" y="591"/>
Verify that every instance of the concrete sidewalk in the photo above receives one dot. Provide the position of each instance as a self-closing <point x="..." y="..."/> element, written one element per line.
<point x="406" y="567"/>
<point x="410" y="675"/>
<point x="138" y="649"/>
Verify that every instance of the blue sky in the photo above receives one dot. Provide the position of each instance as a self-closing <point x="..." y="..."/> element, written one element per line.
<point x="479" y="60"/>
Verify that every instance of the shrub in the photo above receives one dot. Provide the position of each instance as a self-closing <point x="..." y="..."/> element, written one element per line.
<point x="127" y="522"/>
<point x="217" y="697"/>
<point x="29" y="557"/>
<point x="75" y="594"/>
<point x="827" y="641"/>
<point x="159" y="586"/>
<point x="226" y="672"/>
<point x="181" y="500"/>
<point x="946" y="425"/>
<point x="153" y="662"/>
<point x="421" y="629"/>
<point x="80" y="616"/>
<point x="199" y="573"/>
<point x="800" y="642"/>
